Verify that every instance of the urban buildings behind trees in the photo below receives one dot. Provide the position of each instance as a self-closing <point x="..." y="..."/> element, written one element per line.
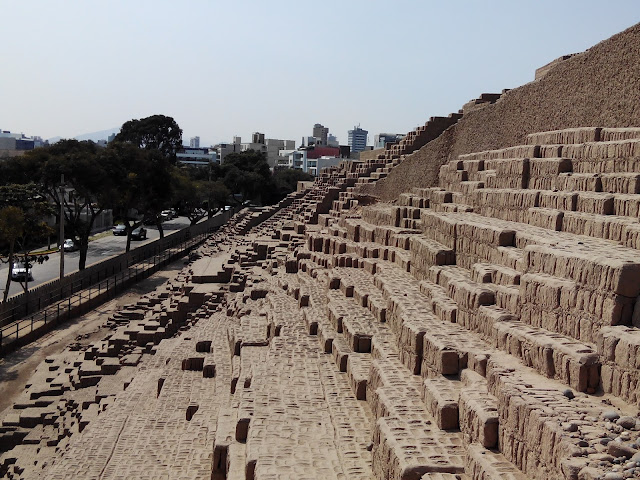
<point x="198" y="157"/>
<point x="14" y="144"/>
<point x="271" y="147"/>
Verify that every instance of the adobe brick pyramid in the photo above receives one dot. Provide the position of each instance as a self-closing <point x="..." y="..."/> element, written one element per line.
<point x="485" y="328"/>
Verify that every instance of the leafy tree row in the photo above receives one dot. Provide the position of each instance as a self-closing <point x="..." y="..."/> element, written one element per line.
<point x="136" y="176"/>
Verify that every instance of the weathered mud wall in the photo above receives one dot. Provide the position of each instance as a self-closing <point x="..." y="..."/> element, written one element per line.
<point x="371" y="154"/>
<point x="600" y="87"/>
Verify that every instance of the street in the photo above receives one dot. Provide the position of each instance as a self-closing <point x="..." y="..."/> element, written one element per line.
<point x="99" y="250"/>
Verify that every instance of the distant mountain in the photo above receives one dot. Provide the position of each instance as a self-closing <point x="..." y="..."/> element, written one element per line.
<point x="93" y="136"/>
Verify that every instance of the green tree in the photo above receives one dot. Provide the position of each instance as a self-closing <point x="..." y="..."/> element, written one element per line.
<point x="187" y="197"/>
<point x="154" y="179"/>
<point x="23" y="213"/>
<point x="247" y="174"/>
<point x="90" y="184"/>
<point x="144" y="184"/>
<point x="157" y="132"/>
<point x="286" y="181"/>
<point x="11" y="229"/>
<point x="212" y="194"/>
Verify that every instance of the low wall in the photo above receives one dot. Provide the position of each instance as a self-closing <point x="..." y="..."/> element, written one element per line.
<point x="370" y="154"/>
<point x="304" y="185"/>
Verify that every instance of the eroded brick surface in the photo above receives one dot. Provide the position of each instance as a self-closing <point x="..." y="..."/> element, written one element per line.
<point x="483" y="329"/>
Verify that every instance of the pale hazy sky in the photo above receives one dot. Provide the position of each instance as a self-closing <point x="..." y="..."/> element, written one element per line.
<point x="224" y="68"/>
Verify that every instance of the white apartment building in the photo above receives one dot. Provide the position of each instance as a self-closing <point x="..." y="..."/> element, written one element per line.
<point x="299" y="159"/>
<point x="199" y="157"/>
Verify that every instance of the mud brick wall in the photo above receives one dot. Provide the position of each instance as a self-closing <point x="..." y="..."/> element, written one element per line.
<point x="370" y="154"/>
<point x="597" y="87"/>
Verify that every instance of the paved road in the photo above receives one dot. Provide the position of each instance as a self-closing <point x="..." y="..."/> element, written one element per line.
<point x="99" y="250"/>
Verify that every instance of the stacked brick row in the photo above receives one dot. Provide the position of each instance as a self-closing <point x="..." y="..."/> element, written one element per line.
<point x="465" y="332"/>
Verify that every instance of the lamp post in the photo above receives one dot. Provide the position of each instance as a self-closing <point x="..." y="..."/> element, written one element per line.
<point x="61" y="239"/>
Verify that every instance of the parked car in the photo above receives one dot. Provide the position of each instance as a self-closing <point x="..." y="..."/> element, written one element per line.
<point x="21" y="271"/>
<point x="70" y="245"/>
<point x="169" y="214"/>
<point x="139" y="233"/>
<point x="119" y="229"/>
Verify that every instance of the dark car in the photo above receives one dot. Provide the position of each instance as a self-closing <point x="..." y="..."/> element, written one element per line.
<point x="119" y="229"/>
<point x="139" y="233"/>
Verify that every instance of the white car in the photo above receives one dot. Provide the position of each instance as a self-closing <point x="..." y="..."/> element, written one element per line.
<point x="21" y="272"/>
<point x="69" y="245"/>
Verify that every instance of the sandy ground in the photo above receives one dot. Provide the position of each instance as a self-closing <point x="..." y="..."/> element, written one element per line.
<point x="16" y="368"/>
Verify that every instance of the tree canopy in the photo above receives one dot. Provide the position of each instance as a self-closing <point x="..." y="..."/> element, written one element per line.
<point x="157" y="132"/>
<point x="23" y="213"/>
<point x="144" y="185"/>
<point x="242" y="177"/>
<point x="286" y="180"/>
<point x="247" y="174"/>
<point x="90" y="185"/>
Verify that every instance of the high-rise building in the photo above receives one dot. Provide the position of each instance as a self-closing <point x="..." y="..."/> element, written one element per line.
<point x="320" y="132"/>
<point x="257" y="137"/>
<point x="357" y="139"/>
<point x="194" y="142"/>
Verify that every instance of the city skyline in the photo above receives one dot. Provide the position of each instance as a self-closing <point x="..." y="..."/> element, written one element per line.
<point x="86" y="67"/>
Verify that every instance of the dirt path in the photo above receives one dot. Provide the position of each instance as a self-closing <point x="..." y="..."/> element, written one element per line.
<point x="16" y="368"/>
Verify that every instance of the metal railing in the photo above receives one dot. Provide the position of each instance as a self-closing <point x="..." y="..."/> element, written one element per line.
<point x="40" y="296"/>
